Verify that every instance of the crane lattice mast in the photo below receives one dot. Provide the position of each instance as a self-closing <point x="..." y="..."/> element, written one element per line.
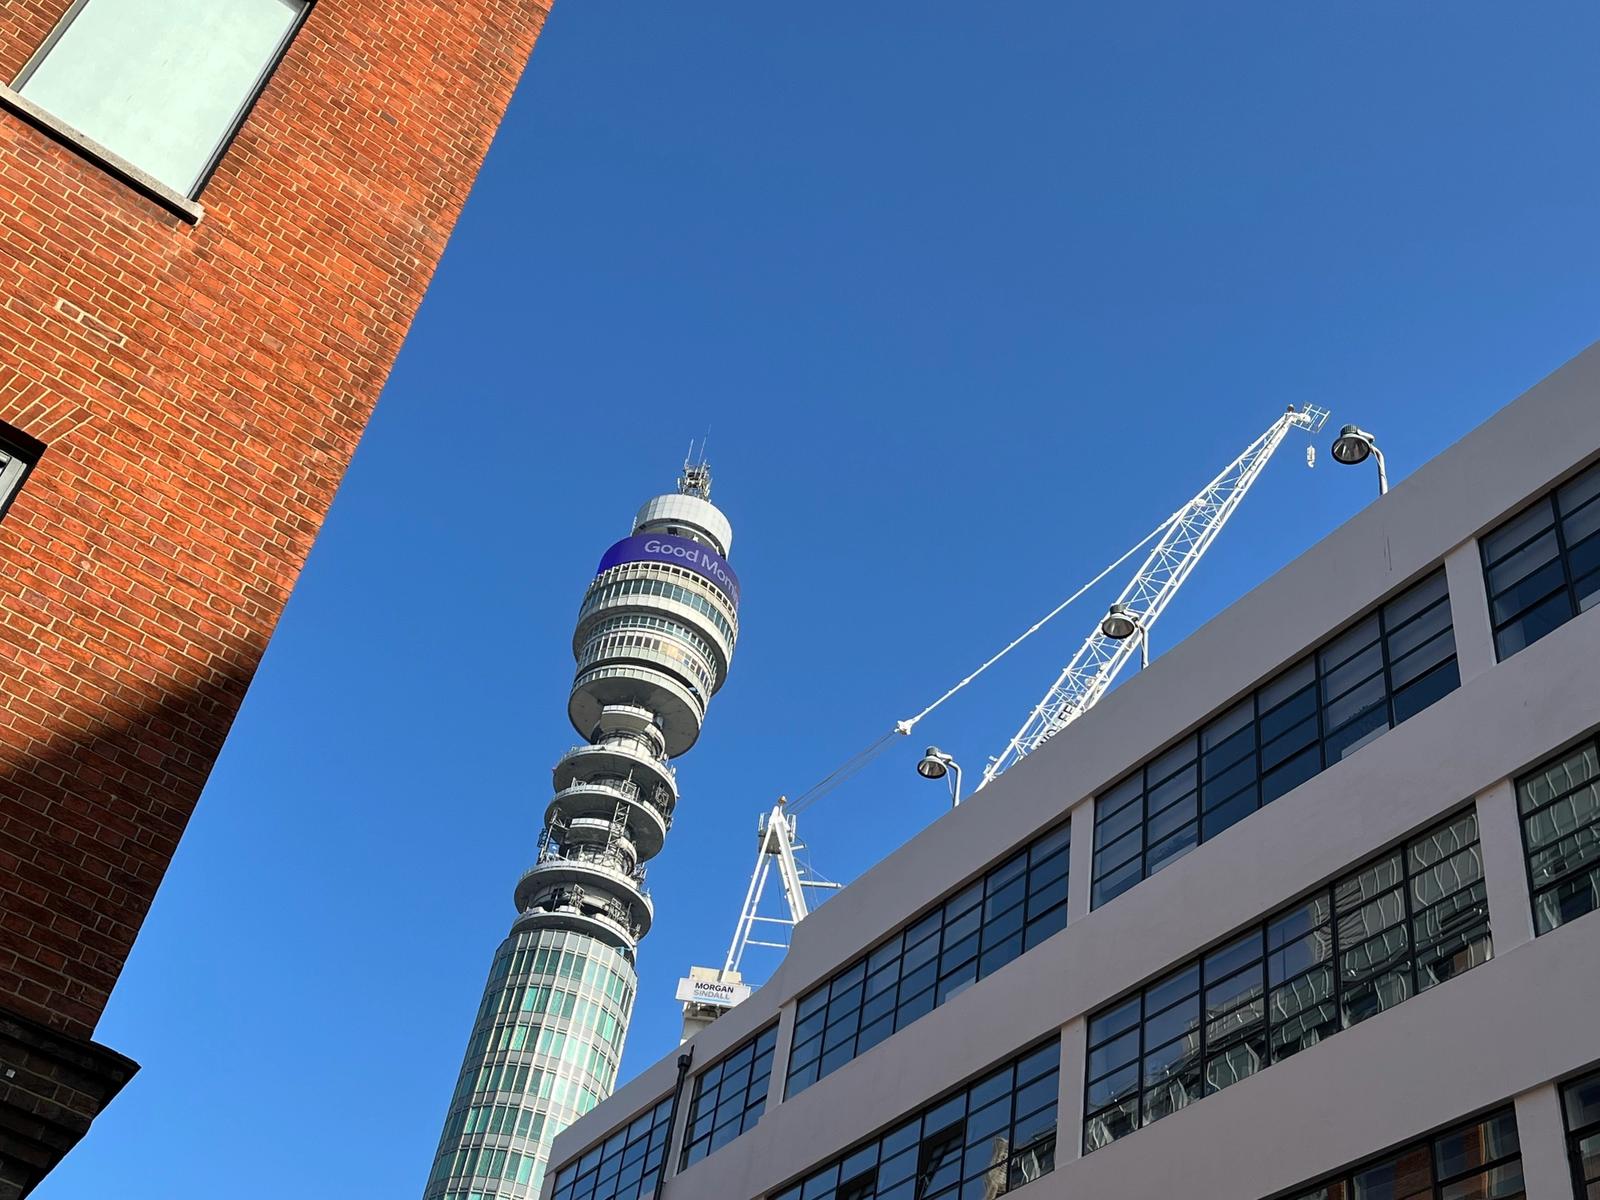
<point x="1186" y="537"/>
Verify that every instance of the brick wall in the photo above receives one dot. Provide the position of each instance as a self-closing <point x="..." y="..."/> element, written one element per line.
<point x="200" y="388"/>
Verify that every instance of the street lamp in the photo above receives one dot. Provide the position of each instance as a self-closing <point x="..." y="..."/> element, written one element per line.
<point x="1121" y="623"/>
<point x="1352" y="447"/>
<point x="936" y="764"/>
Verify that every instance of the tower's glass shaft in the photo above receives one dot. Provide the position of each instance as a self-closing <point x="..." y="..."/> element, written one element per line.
<point x="655" y="635"/>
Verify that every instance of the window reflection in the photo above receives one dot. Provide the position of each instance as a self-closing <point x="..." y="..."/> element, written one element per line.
<point x="1480" y="1160"/>
<point x="1395" y="927"/>
<point x="1560" y="807"/>
<point x="984" y="1141"/>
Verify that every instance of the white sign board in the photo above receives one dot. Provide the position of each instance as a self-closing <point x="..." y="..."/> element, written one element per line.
<point x="709" y="991"/>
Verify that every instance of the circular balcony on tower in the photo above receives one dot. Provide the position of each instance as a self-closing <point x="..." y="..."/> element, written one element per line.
<point x="619" y="758"/>
<point x="549" y="884"/>
<point x="678" y="709"/>
<point x="599" y="799"/>
<point x="613" y="928"/>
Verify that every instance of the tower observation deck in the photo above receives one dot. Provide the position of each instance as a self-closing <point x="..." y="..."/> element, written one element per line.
<point x="654" y="637"/>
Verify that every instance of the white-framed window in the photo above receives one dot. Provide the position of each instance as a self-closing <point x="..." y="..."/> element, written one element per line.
<point x="163" y="84"/>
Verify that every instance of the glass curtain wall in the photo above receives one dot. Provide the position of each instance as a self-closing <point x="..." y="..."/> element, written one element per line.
<point x="544" y="1050"/>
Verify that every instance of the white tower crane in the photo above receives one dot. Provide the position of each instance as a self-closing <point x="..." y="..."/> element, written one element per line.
<point x="1180" y="542"/>
<point x="1188" y="534"/>
<point x="705" y="992"/>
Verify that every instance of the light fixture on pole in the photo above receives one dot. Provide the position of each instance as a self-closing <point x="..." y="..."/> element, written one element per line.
<point x="1353" y="446"/>
<point x="936" y="764"/>
<point x="1121" y="623"/>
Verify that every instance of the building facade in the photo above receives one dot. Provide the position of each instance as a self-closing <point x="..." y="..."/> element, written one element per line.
<point x="655" y="635"/>
<point x="216" y="223"/>
<point x="1306" y="910"/>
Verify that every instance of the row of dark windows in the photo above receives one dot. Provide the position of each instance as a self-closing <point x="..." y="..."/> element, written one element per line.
<point x="985" y="1140"/>
<point x="1580" y="1105"/>
<point x="1560" y="808"/>
<point x="1010" y="910"/>
<point x="626" y="1166"/>
<point x="1542" y="567"/>
<point x="1387" y="667"/>
<point x="1478" y="1160"/>
<point x="1400" y="924"/>
<point x="729" y="1097"/>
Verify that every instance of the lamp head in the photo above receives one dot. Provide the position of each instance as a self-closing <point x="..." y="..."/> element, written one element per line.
<point x="935" y="763"/>
<point x="1120" y="623"/>
<point x="1353" y="445"/>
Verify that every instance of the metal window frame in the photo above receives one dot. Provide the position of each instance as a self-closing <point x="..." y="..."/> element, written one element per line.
<point x="1253" y="696"/>
<point x="576" y="1165"/>
<point x="746" y="1102"/>
<point x="1565" y="587"/>
<point x="1547" y="497"/>
<point x="1578" y="745"/>
<point x="1065" y="850"/>
<point x="791" y="1186"/>
<point x="231" y="129"/>
<point x="1574" y="1136"/>
<point x="1436" y="1185"/>
<point x="1259" y="928"/>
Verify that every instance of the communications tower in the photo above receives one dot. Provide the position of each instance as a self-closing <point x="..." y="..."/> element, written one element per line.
<point x="655" y="633"/>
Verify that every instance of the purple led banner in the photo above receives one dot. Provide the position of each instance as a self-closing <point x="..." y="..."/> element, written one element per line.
<point x="680" y="552"/>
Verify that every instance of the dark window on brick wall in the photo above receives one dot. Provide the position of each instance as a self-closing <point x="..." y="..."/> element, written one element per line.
<point x="1560" y="807"/>
<point x="1542" y="567"/>
<point x="729" y="1097"/>
<point x="1008" y="912"/>
<point x="18" y="454"/>
<point x="1383" y="669"/>
<point x="1403" y="922"/>
<point x="1478" y="1160"/>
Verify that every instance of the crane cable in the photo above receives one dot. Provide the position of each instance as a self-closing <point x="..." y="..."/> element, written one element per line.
<point x="859" y="760"/>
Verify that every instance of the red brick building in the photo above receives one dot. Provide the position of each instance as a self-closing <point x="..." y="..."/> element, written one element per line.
<point x="217" y="219"/>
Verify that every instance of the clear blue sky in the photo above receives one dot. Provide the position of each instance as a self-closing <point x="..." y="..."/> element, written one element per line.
<point x="969" y="297"/>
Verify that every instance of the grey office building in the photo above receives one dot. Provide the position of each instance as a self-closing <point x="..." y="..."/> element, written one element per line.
<point x="654" y="637"/>
<point x="1305" y="910"/>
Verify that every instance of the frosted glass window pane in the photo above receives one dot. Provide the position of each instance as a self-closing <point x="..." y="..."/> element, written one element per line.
<point x="161" y="82"/>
